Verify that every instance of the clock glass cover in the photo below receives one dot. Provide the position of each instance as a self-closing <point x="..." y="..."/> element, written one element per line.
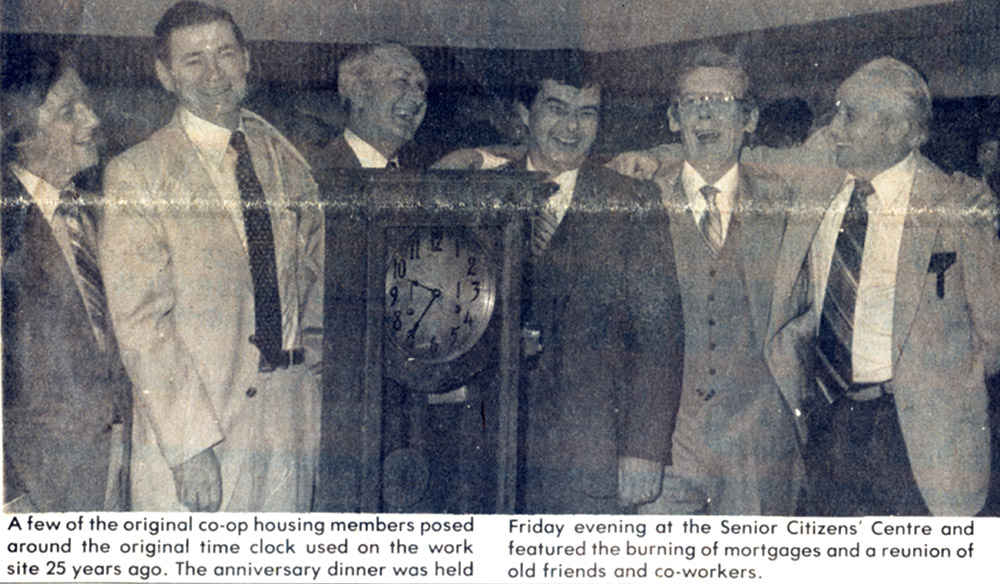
<point x="439" y="294"/>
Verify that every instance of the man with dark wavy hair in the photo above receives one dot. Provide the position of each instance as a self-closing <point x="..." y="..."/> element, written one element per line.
<point x="66" y="397"/>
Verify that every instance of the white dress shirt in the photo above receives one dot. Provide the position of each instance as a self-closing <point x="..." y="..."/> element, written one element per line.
<point x="871" y="349"/>
<point x="366" y="153"/>
<point x="725" y="200"/>
<point x="212" y="145"/>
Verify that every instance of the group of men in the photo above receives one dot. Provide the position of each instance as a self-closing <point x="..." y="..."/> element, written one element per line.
<point x="762" y="332"/>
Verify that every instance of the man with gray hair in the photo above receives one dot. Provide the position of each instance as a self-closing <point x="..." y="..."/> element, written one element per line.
<point x="900" y="324"/>
<point x="385" y="88"/>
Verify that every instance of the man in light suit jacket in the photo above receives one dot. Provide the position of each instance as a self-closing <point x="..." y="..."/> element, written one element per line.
<point x="901" y="332"/>
<point x="600" y="381"/>
<point x="735" y="447"/>
<point x="213" y="259"/>
<point x="66" y="397"/>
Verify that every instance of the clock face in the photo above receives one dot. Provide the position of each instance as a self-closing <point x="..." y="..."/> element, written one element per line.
<point x="440" y="288"/>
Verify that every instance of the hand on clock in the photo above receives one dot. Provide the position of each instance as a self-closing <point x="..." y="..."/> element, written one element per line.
<point x="435" y="294"/>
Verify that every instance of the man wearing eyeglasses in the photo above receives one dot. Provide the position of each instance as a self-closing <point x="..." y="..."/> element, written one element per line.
<point x="734" y="444"/>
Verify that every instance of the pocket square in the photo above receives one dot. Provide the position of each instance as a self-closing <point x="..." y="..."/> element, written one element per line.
<point x="939" y="264"/>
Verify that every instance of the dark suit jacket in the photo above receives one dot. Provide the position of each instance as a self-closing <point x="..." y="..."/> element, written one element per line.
<point x="61" y="395"/>
<point x="604" y="383"/>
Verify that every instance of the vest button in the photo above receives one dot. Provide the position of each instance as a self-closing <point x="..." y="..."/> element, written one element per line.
<point x="711" y="322"/>
<point x="252" y="392"/>
<point x="711" y="346"/>
<point x="711" y="273"/>
<point x="711" y="297"/>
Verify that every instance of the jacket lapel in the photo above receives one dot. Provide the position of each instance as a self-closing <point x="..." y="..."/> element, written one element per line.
<point x="919" y="234"/>
<point x="761" y="216"/>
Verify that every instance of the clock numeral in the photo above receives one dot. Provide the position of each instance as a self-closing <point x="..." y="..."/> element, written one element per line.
<point x="468" y="319"/>
<point x="458" y="247"/>
<point x="458" y="290"/>
<point x="399" y="268"/>
<point x="434" y="345"/>
<point x="398" y="322"/>
<point x="437" y="238"/>
<point x="472" y="266"/>
<point x="458" y="309"/>
<point x="415" y="247"/>
<point x="475" y="286"/>
<point x="454" y="334"/>
<point x="394" y="292"/>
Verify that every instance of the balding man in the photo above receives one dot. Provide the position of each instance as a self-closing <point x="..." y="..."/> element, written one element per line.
<point x="904" y="323"/>
<point x="385" y="88"/>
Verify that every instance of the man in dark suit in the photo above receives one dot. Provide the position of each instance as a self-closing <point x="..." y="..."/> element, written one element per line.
<point x="66" y="398"/>
<point x="585" y="407"/>
<point x="900" y="328"/>
<point x="735" y="447"/>
<point x="385" y="89"/>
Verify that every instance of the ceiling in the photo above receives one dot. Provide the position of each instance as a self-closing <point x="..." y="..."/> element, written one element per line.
<point x="591" y="25"/>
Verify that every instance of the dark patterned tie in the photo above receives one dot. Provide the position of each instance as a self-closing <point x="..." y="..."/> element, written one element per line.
<point x="260" y="248"/>
<point x="711" y="221"/>
<point x="82" y="238"/>
<point x="836" y="329"/>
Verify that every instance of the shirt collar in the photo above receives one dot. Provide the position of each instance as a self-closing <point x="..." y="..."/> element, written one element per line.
<point x="692" y="181"/>
<point x="892" y="186"/>
<point x="42" y="193"/>
<point x="211" y="140"/>
<point x="366" y="153"/>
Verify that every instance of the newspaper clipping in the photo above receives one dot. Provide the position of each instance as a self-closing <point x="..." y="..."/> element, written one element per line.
<point x="500" y="291"/>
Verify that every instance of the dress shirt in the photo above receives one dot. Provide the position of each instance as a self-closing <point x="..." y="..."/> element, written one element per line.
<point x="212" y="144"/>
<point x="871" y="347"/>
<point x="725" y="200"/>
<point x="559" y="203"/>
<point x="367" y="155"/>
<point x="47" y="197"/>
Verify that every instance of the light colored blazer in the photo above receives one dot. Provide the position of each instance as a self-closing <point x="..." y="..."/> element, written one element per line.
<point x="946" y="346"/>
<point x="181" y="297"/>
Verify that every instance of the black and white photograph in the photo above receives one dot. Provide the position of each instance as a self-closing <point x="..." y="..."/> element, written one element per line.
<point x="625" y="260"/>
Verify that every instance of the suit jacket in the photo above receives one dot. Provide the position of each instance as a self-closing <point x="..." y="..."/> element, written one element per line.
<point x="603" y="381"/>
<point x="181" y="296"/>
<point x="62" y="394"/>
<point x="946" y="343"/>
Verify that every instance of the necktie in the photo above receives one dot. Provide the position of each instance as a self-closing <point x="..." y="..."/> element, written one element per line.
<point x="392" y="164"/>
<point x="543" y="227"/>
<point x="711" y="221"/>
<point x="836" y="329"/>
<point x="80" y="228"/>
<point x="260" y="248"/>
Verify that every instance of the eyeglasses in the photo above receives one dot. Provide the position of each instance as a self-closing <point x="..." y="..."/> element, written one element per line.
<point x="714" y="102"/>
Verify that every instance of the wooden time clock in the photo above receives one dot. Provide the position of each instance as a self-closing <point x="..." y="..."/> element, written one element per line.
<point x="422" y="339"/>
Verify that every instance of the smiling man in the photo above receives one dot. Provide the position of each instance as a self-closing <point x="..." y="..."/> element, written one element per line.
<point x="66" y="397"/>
<point x="213" y="257"/>
<point x="734" y="444"/>
<point x="385" y="88"/>
<point x="584" y="408"/>
<point x="901" y="330"/>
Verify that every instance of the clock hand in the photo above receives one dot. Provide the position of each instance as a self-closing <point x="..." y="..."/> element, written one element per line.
<point x="435" y="294"/>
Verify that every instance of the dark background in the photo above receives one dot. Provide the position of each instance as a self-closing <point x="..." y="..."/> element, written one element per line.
<point x="795" y="70"/>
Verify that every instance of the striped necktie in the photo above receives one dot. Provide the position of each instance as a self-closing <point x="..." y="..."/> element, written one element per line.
<point x="82" y="240"/>
<point x="711" y="221"/>
<point x="260" y="248"/>
<point x="836" y="329"/>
